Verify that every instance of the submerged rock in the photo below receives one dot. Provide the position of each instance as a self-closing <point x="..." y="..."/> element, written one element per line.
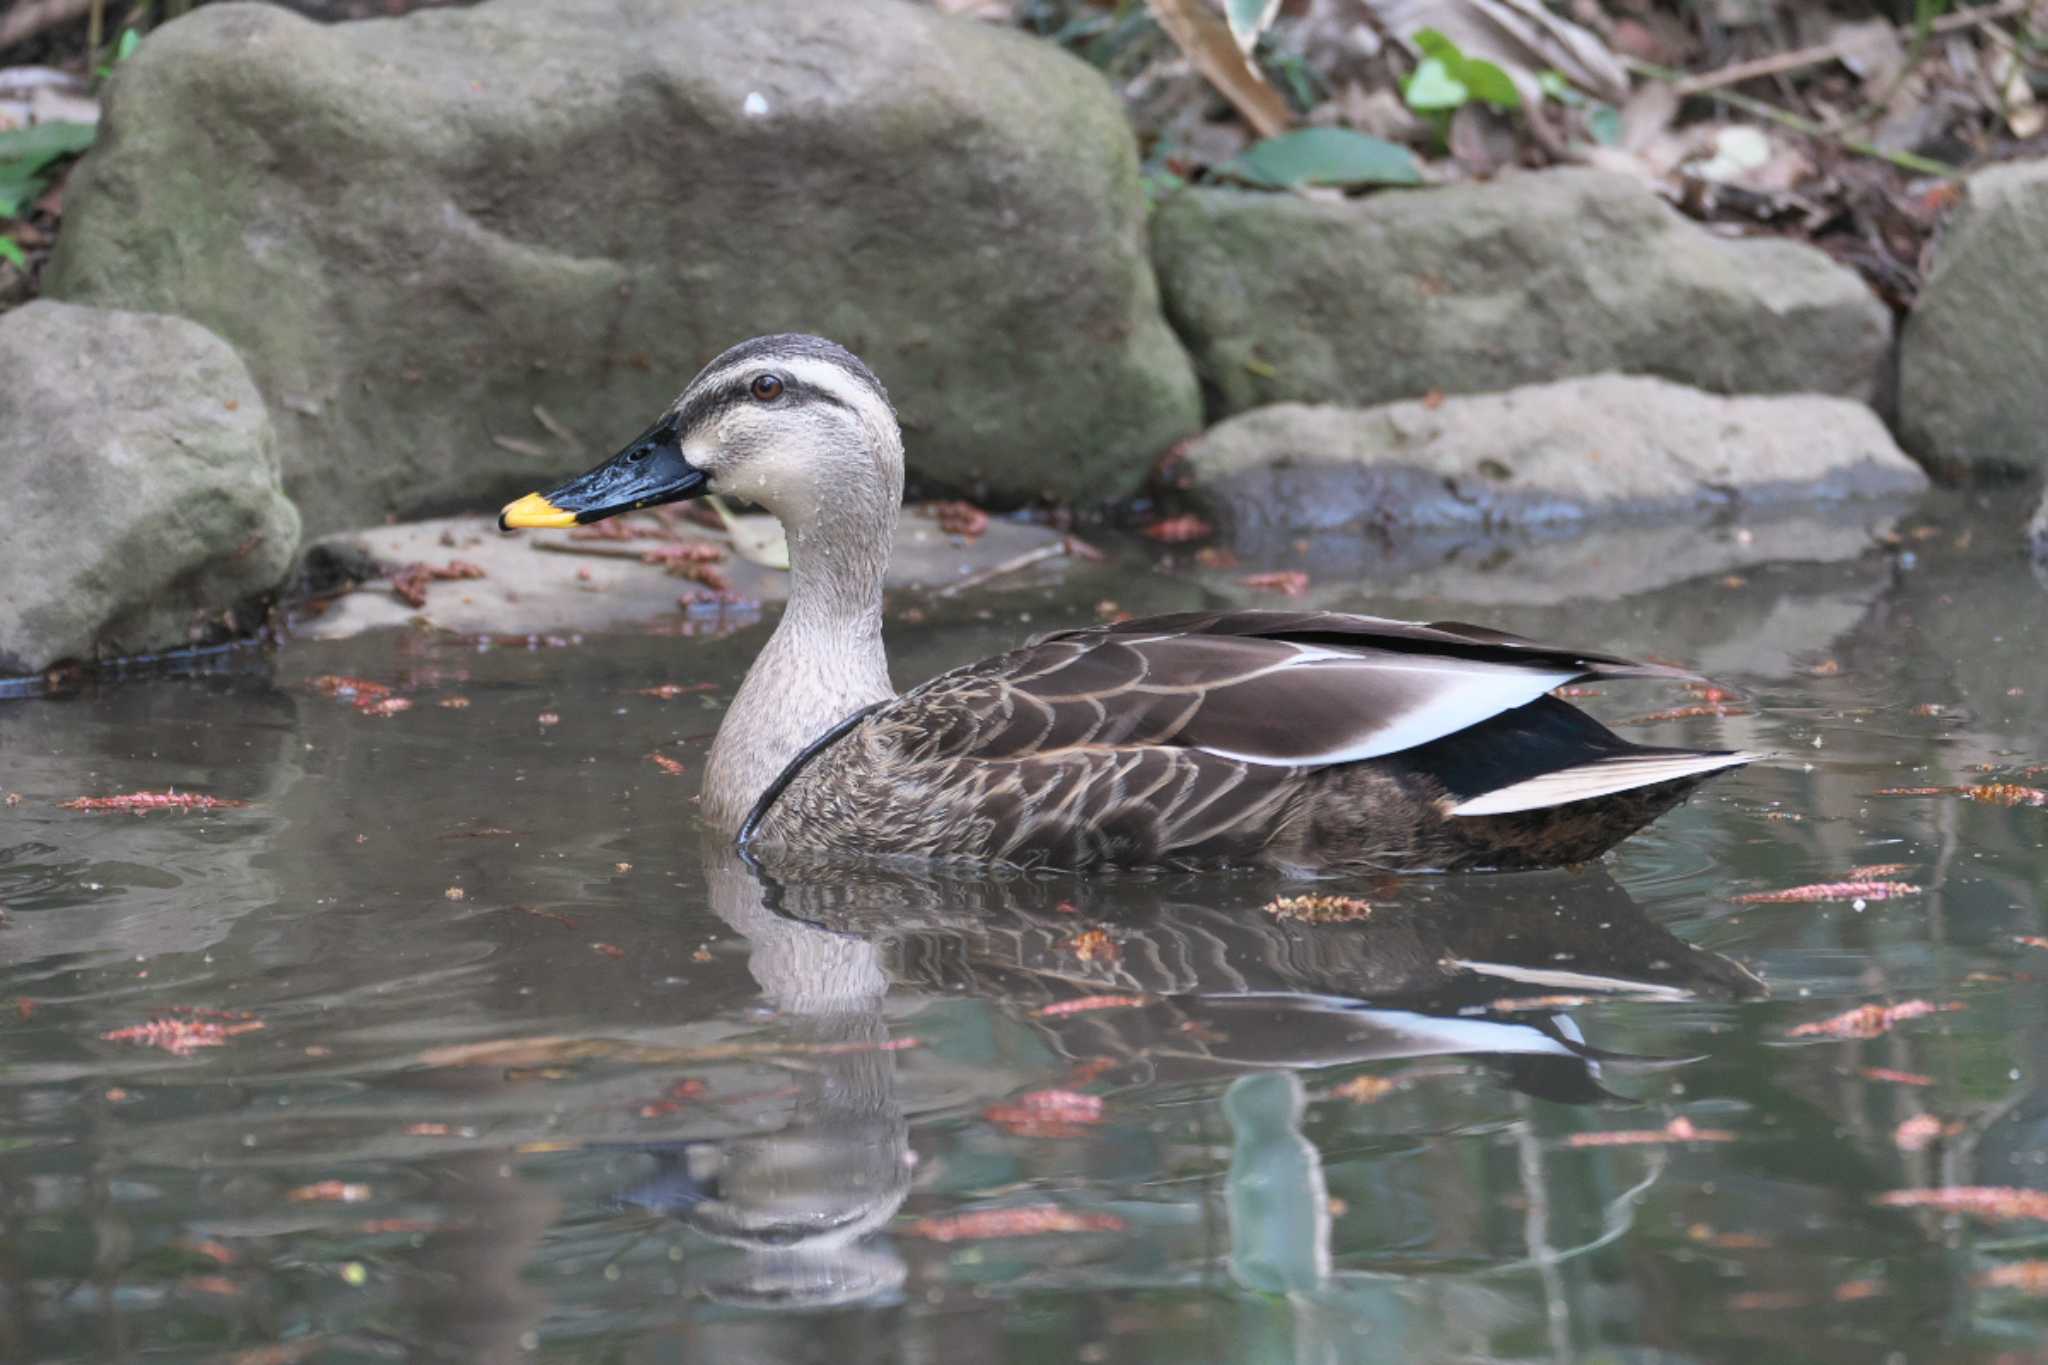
<point x="145" y="511"/>
<point x="444" y="241"/>
<point x="1482" y="287"/>
<point x="1610" y="447"/>
<point x="1974" y="355"/>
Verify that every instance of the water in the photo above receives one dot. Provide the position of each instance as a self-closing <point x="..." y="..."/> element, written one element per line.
<point x="540" y="1076"/>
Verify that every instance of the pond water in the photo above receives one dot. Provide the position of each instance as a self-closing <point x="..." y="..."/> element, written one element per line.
<point x="457" y="1043"/>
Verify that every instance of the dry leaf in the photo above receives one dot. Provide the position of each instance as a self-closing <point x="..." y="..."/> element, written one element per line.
<point x="1318" y="909"/>
<point x="1202" y="34"/>
<point x="1089" y="1003"/>
<point x="1365" y="1089"/>
<point x="1831" y="891"/>
<point x="1995" y="1203"/>
<point x="1520" y="36"/>
<point x="329" y="1191"/>
<point x="1047" y="1113"/>
<point x="1920" y="1132"/>
<point x="1679" y="1129"/>
<point x="141" y="803"/>
<point x="1032" y="1220"/>
<point x="1869" y="1021"/>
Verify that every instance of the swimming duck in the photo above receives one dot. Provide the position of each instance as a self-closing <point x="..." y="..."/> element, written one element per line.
<point x="1311" y="741"/>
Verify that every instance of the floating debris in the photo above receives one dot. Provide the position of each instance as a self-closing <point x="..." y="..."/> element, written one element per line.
<point x="1286" y="582"/>
<point x="409" y="584"/>
<point x="1831" y="891"/>
<point x="1680" y="1129"/>
<point x="1093" y="945"/>
<point x="1705" y="1235"/>
<point x="1047" y="1114"/>
<point x="142" y="803"/>
<point x="1031" y="1220"/>
<point x="2029" y="1277"/>
<point x="1921" y="1131"/>
<point x="1177" y="530"/>
<point x="1573" y="693"/>
<point x="548" y="718"/>
<point x="347" y="688"/>
<point x="670" y="691"/>
<point x="1994" y="1203"/>
<point x="329" y="1192"/>
<point x="383" y="707"/>
<point x="1365" y="1089"/>
<point x="674" y="1098"/>
<point x="2030" y="940"/>
<point x="1992" y="793"/>
<point x="1885" y="1073"/>
<point x="608" y="950"/>
<point x="180" y="1037"/>
<point x="1087" y="1004"/>
<point x="453" y="703"/>
<point x="1865" y="872"/>
<point x="1869" y="1021"/>
<point x="454" y="893"/>
<point x="1319" y="909"/>
<point x="667" y="764"/>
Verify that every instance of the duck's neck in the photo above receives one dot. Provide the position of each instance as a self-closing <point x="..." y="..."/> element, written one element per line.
<point x="824" y="661"/>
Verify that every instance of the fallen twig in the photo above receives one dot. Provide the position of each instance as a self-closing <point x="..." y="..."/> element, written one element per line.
<point x="1014" y="564"/>
<point x="1780" y="62"/>
<point x="1799" y="124"/>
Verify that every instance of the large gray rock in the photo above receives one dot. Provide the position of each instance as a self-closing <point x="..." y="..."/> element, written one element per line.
<point x="423" y="234"/>
<point x="1610" y="447"/>
<point x="1481" y="287"/>
<point x="1973" y="363"/>
<point x="144" y="509"/>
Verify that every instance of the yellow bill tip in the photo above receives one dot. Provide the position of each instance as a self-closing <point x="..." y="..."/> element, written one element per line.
<point x="534" y="512"/>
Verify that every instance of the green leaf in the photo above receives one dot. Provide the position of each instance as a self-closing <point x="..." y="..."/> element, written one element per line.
<point x="1434" y="87"/>
<point x="1490" y="83"/>
<point x="1558" y="88"/>
<point x="1324" y="156"/>
<point x="10" y="251"/>
<point x="130" y="40"/>
<point x="24" y="151"/>
<point x="1604" y="122"/>
<point x="1433" y="44"/>
<point x="17" y="193"/>
<point x="1249" y="18"/>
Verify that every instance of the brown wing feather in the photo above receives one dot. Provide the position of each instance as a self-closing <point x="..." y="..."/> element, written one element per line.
<point x="1198" y="736"/>
<point x="1286" y="688"/>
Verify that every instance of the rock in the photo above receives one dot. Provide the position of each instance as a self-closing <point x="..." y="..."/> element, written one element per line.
<point x="144" y="508"/>
<point x="1974" y="353"/>
<point x="1477" y="288"/>
<point x="1610" y="447"/>
<point x="550" y="582"/>
<point x="441" y="241"/>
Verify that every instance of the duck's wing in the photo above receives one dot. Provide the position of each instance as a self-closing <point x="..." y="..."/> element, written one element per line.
<point x="1267" y="688"/>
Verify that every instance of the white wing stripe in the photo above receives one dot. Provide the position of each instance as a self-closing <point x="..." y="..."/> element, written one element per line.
<point x="1597" y="779"/>
<point x="1469" y="693"/>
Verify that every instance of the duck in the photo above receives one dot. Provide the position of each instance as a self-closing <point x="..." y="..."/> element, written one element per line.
<point x="1314" y="742"/>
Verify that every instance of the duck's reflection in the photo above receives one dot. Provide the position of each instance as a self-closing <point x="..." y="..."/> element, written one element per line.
<point x="1477" y="969"/>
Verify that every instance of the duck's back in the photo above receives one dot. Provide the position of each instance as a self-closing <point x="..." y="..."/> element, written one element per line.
<point x="1312" y="740"/>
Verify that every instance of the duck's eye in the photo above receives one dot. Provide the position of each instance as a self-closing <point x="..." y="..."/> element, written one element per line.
<point x="766" y="387"/>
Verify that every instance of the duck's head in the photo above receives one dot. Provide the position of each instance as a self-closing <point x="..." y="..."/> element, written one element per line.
<point x="792" y="422"/>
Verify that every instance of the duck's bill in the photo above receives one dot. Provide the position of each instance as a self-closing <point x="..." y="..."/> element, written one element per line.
<point x="648" y="472"/>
